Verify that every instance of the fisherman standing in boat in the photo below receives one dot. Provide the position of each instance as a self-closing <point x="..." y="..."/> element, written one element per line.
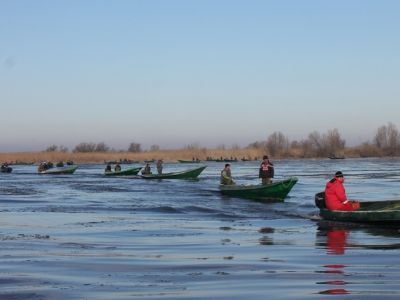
<point x="335" y="195"/>
<point x="266" y="172"/>
<point x="117" y="168"/>
<point x="159" y="166"/>
<point x="226" y="176"/>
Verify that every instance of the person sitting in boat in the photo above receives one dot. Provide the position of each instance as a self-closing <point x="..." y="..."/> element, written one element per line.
<point x="159" y="166"/>
<point x="108" y="169"/>
<point x="117" y="168"/>
<point x="5" y="168"/>
<point x="146" y="170"/>
<point x="60" y="164"/>
<point x="266" y="171"/>
<point x="335" y="195"/>
<point x="70" y="162"/>
<point x="42" y="167"/>
<point x="226" y="176"/>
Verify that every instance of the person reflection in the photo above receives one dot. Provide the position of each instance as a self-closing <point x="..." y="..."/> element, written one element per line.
<point x="336" y="240"/>
<point x="336" y="243"/>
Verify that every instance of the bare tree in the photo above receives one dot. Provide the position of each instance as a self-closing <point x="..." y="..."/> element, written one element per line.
<point x="333" y="142"/>
<point x="135" y="147"/>
<point x="52" y="148"/>
<point x="85" y="147"/>
<point x="306" y="148"/>
<point x="101" y="147"/>
<point x="154" y="147"/>
<point x="277" y="143"/>
<point x="387" y="138"/>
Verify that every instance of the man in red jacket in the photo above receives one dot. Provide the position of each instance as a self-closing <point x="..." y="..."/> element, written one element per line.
<point x="335" y="195"/>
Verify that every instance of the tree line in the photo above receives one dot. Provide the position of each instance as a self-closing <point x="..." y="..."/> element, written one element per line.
<point x="386" y="142"/>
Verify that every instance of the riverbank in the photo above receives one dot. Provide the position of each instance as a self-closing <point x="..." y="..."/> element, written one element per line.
<point x="167" y="155"/>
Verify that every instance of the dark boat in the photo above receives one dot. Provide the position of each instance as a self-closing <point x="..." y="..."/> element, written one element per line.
<point x="196" y="161"/>
<point x="376" y="212"/>
<point x="127" y="172"/>
<point x="188" y="174"/>
<point x="276" y="191"/>
<point x="335" y="157"/>
<point x="5" y="169"/>
<point x="60" y="171"/>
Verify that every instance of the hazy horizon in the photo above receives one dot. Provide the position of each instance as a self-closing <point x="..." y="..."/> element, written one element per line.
<point x="174" y="73"/>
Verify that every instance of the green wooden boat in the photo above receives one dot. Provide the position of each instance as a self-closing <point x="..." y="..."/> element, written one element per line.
<point x="188" y="174"/>
<point x="377" y="212"/>
<point x="276" y="191"/>
<point x="127" y="172"/>
<point x="60" y="171"/>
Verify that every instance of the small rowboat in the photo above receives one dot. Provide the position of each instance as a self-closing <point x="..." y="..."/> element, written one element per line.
<point x="131" y="171"/>
<point x="188" y="174"/>
<point x="60" y="171"/>
<point x="276" y="191"/>
<point x="5" y="169"/>
<point x="377" y="212"/>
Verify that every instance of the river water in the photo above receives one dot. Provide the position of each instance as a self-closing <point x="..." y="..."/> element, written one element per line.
<point x="84" y="236"/>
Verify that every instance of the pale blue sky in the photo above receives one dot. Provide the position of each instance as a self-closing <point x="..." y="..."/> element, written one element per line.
<point x="209" y="72"/>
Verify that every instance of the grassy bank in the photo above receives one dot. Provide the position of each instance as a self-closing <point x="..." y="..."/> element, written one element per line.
<point x="175" y="155"/>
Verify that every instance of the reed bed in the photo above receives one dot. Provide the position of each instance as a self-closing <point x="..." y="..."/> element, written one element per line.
<point x="174" y="155"/>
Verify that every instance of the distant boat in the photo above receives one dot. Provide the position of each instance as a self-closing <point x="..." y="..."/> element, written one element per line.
<point x="149" y="161"/>
<point x="196" y="161"/>
<point x="336" y="157"/>
<point x="60" y="171"/>
<point x="187" y="174"/>
<point x="121" y="161"/>
<point x="5" y="169"/>
<point x="131" y="171"/>
<point x="376" y="212"/>
<point x="276" y="191"/>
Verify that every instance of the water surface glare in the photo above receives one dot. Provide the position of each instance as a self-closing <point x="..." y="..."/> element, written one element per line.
<point x="84" y="236"/>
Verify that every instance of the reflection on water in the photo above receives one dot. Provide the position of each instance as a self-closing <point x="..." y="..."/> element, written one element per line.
<point x="336" y="241"/>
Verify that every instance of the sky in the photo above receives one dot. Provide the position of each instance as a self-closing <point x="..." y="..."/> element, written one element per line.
<point x="175" y="73"/>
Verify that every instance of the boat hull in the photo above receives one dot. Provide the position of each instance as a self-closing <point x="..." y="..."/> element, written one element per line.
<point x="60" y="171"/>
<point x="188" y="174"/>
<point x="274" y="192"/>
<point x="6" y="170"/>
<point x="376" y="212"/>
<point x="127" y="172"/>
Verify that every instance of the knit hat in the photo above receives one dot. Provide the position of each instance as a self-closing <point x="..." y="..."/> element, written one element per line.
<point x="338" y="174"/>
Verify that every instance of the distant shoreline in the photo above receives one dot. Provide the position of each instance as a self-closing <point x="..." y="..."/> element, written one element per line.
<point x="166" y="155"/>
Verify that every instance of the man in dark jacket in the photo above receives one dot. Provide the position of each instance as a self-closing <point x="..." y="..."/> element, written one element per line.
<point x="266" y="172"/>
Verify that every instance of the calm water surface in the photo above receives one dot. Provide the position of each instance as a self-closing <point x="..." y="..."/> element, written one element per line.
<point x="89" y="237"/>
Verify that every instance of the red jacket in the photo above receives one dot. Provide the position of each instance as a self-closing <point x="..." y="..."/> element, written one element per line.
<point x="335" y="195"/>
